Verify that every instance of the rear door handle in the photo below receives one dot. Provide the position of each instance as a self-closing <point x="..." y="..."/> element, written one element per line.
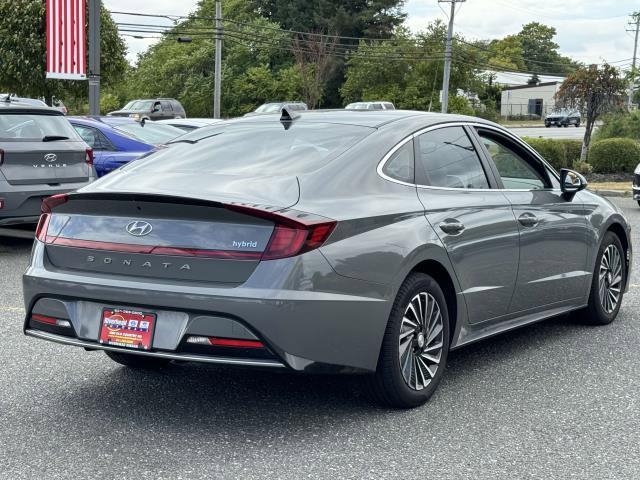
<point x="452" y="227"/>
<point x="528" y="219"/>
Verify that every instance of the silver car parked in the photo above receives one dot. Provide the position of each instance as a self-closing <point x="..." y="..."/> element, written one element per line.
<point x="40" y="155"/>
<point x="327" y="241"/>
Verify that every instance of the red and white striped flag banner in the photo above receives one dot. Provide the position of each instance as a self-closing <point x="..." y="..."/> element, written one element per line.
<point x="66" y="44"/>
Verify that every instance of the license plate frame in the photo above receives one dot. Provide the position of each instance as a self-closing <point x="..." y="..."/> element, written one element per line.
<point x="127" y="328"/>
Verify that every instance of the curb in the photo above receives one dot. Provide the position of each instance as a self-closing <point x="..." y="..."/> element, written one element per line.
<point x="613" y="193"/>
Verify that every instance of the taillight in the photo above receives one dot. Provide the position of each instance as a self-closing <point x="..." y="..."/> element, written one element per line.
<point x="89" y="156"/>
<point x="224" y="342"/>
<point x="294" y="232"/>
<point x="48" y="204"/>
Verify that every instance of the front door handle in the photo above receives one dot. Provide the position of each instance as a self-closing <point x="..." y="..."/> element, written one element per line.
<point x="528" y="219"/>
<point x="452" y="227"/>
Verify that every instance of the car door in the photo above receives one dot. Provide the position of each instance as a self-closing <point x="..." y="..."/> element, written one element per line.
<point x="91" y="138"/>
<point x="167" y="110"/>
<point x="474" y="221"/>
<point x="553" y="228"/>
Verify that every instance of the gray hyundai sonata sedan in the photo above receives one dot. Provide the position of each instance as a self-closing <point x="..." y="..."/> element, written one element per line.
<point x="325" y="241"/>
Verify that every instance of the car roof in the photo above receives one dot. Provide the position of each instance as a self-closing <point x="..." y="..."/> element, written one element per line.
<point x="189" y="121"/>
<point x="16" y="106"/>
<point x="98" y="121"/>
<point x="365" y="118"/>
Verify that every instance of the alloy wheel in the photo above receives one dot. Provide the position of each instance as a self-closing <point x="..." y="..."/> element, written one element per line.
<point x="610" y="279"/>
<point x="421" y="341"/>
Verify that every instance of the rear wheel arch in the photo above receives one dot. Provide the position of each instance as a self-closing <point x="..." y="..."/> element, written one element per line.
<point x="441" y="275"/>
<point x="619" y="231"/>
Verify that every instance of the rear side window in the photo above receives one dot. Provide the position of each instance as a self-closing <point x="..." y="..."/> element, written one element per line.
<point x="258" y="148"/>
<point x="400" y="165"/>
<point x="166" y="106"/>
<point x="34" y="127"/>
<point x="446" y="158"/>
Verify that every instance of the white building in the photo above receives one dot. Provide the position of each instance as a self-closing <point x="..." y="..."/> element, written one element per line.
<point x="529" y="101"/>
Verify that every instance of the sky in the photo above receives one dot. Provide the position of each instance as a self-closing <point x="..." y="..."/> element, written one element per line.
<point x="590" y="31"/>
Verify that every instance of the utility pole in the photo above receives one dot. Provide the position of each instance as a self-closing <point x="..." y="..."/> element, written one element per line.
<point x="94" y="57"/>
<point x="636" y="19"/>
<point x="218" y="67"/>
<point x="447" y="55"/>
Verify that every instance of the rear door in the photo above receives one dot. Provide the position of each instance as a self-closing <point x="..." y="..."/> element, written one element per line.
<point x="41" y="149"/>
<point x="166" y="110"/>
<point x="553" y="229"/>
<point x="474" y="221"/>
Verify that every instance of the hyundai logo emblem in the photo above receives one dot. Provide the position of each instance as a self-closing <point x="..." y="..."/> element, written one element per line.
<point x="50" y="157"/>
<point x="139" y="228"/>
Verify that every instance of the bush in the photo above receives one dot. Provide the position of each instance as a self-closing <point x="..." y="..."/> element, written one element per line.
<point x="614" y="155"/>
<point x="583" y="167"/>
<point x="551" y="150"/>
<point x="559" y="153"/>
<point x="621" y="125"/>
<point x="572" y="149"/>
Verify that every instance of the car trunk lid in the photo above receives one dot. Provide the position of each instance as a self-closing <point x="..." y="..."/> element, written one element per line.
<point x="53" y="163"/>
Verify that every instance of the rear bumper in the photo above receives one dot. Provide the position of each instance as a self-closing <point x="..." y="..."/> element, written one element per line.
<point x="22" y="202"/>
<point x="245" y="362"/>
<point x="292" y="305"/>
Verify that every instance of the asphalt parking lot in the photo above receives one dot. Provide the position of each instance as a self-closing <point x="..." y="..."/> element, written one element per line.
<point x="554" y="400"/>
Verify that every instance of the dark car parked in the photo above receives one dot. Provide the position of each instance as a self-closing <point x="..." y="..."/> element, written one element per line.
<point x="40" y="155"/>
<point x="563" y="118"/>
<point x="326" y="241"/>
<point x="151" y="109"/>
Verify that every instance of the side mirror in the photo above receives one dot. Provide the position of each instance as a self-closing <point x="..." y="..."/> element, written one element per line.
<point x="571" y="182"/>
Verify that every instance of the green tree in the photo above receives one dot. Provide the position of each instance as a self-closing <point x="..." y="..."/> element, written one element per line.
<point x="355" y="18"/>
<point x="507" y="53"/>
<point x="540" y="52"/>
<point x="407" y="69"/>
<point x="23" y="58"/>
<point x="254" y="70"/>
<point x="594" y="91"/>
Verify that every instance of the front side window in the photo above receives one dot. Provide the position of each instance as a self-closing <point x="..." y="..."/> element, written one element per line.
<point x="446" y="158"/>
<point x="516" y="171"/>
<point x="400" y="165"/>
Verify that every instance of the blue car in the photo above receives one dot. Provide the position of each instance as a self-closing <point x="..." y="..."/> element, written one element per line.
<point x="116" y="141"/>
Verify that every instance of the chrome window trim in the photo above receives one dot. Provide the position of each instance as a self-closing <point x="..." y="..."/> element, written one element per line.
<point x="438" y="126"/>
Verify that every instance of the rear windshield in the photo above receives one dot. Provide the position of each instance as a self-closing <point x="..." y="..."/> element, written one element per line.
<point x="149" y="132"/>
<point x="34" y="127"/>
<point x="259" y="149"/>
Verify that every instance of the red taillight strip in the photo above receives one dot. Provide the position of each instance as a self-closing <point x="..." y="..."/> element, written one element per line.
<point x="152" y="249"/>
<point x="232" y="342"/>
<point x="293" y="234"/>
<point x="44" y="319"/>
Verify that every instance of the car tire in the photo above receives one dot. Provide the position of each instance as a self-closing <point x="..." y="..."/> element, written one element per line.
<point x="419" y="324"/>
<point x="639" y="203"/>
<point x="603" y="312"/>
<point x="137" y="361"/>
<point x="547" y="125"/>
<point x="577" y="123"/>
